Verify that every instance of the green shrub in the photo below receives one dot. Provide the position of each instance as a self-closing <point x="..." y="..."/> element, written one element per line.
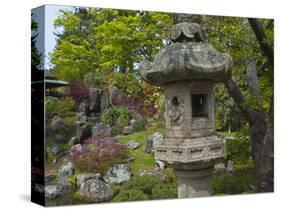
<point x="139" y="125"/>
<point x="95" y="79"/>
<point x="238" y="150"/>
<point x="128" y="84"/>
<point x="146" y="187"/>
<point x="164" y="191"/>
<point x="64" y="107"/>
<point x="237" y="183"/>
<point x="131" y="195"/>
<point x="144" y="183"/>
<point x="116" y="116"/>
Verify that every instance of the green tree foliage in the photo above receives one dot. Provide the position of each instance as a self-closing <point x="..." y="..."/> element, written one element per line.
<point x="36" y="73"/>
<point x="106" y="40"/>
<point x="234" y="36"/>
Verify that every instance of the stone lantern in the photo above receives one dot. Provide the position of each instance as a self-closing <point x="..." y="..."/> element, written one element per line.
<point x="187" y="70"/>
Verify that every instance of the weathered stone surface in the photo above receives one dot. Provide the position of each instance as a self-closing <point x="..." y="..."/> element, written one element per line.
<point x="55" y="150"/>
<point x="64" y="173"/>
<point x="155" y="171"/>
<point x="83" y="131"/>
<point x="219" y="168"/>
<point x="183" y="32"/>
<point x="127" y="130"/>
<point x="57" y="123"/>
<point x="115" y="95"/>
<point x="101" y="130"/>
<point x="83" y="107"/>
<point x="95" y="190"/>
<point x="130" y="159"/>
<point x="74" y="140"/>
<point x="160" y="163"/>
<point x="95" y="100"/>
<point x="133" y="145"/>
<point x="194" y="183"/>
<point x="81" y="178"/>
<point x="118" y="173"/>
<point x="82" y="117"/>
<point x="53" y="191"/>
<point x="59" y="138"/>
<point x="154" y="139"/>
<point x="187" y="61"/>
<point x="230" y="167"/>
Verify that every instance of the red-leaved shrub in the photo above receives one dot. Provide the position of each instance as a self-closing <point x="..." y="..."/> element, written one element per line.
<point x="97" y="155"/>
<point x="78" y="91"/>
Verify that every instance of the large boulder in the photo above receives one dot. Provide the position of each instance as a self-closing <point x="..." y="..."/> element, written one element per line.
<point x="64" y="173"/>
<point x="55" y="150"/>
<point x="81" y="178"/>
<point x="118" y="173"/>
<point x="219" y="168"/>
<point x="83" y="131"/>
<point x="115" y="95"/>
<point x="57" y="124"/>
<point x="53" y="191"/>
<point x="133" y="145"/>
<point x="74" y="140"/>
<point x="95" y="100"/>
<point x="154" y="139"/>
<point x="155" y="171"/>
<point x="230" y="167"/>
<point x="127" y="130"/>
<point x="94" y="190"/>
<point x="101" y="130"/>
<point x="83" y="107"/>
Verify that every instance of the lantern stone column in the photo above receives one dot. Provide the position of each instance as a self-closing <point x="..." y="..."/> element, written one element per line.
<point x="187" y="70"/>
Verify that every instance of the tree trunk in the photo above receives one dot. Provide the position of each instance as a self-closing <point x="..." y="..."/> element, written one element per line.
<point x="261" y="137"/>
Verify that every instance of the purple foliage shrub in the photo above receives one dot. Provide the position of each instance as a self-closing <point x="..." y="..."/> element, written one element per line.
<point x="97" y="155"/>
<point x="78" y="91"/>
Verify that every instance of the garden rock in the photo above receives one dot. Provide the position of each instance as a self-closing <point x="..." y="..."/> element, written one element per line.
<point x="154" y="139"/>
<point x="160" y="163"/>
<point x="103" y="102"/>
<point x="57" y="123"/>
<point x="53" y="191"/>
<point x="81" y="178"/>
<point x="55" y="150"/>
<point x="219" y="168"/>
<point x="74" y="140"/>
<point x="96" y="191"/>
<point x="101" y="130"/>
<point x="83" y="131"/>
<point x="136" y="116"/>
<point x="63" y="174"/>
<point x="82" y="117"/>
<point x="83" y="107"/>
<point x="115" y="95"/>
<point x="155" y="171"/>
<point x="130" y="159"/>
<point x="133" y="145"/>
<point x="118" y="174"/>
<point x="59" y="138"/>
<point x="229" y="168"/>
<point x="94" y="100"/>
<point x="128" y="130"/>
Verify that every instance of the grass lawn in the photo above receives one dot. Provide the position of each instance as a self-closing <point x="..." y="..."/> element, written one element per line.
<point x="143" y="160"/>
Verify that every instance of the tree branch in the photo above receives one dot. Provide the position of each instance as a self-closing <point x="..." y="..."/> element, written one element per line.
<point x="261" y="38"/>
<point x="238" y="97"/>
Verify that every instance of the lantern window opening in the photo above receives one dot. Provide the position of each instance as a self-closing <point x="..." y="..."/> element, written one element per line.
<point x="200" y="106"/>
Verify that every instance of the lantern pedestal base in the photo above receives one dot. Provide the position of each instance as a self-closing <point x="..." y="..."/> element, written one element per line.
<point x="194" y="183"/>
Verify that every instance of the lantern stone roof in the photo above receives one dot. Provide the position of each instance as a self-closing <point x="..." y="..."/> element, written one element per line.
<point x="190" y="57"/>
